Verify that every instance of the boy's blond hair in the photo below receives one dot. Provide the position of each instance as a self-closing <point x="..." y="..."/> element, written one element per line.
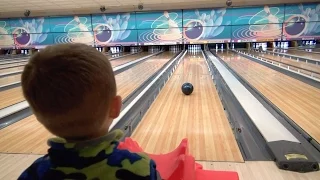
<point x="69" y="88"/>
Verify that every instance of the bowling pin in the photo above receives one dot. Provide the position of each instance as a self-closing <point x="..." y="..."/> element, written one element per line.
<point x="221" y="46"/>
<point x="124" y="25"/>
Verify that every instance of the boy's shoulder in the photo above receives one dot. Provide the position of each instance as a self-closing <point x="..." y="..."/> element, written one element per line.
<point x="123" y="165"/>
<point x="104" y="160"/>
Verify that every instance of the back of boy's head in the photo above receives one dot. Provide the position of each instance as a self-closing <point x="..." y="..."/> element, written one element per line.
<point x="70" y="88"/>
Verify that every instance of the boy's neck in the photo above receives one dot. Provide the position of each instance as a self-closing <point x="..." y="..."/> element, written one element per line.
<point x="85" y="138"/>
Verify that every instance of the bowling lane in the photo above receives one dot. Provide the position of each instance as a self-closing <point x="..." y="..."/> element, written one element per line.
<point x="299" y="101"/>
<point x="16" y="138"/>
<point x="8" y="70"/>
<point x="114" y="63"/>
<point x="304" y="54"/>
<point x="110" y="56"/>
<point x="199" y="117"/>
<point x="127" y="59"/>
<point x="10" y="61"/>
<point x="10" y="97"/>
<point x="16" y="78"/>
<point x="12" y="65"/>
<point x="10" y="79"/>
<point x="308" y="66"/>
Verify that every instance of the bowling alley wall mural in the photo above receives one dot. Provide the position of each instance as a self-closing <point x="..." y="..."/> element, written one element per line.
<point x="6" y="37"/>
<point x="163" y="27"/>
<point x="207" y="25"/>
<point x="29" y="32"/>
<point x="302" y="22"/>
<point x="72" y="29"/>
<point x="211" y="25"/>
<point x="113" y="29"/>
<point x="257" y="23"/>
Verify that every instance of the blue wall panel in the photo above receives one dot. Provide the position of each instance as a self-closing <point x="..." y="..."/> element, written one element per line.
<point x="159" y="20"/>
<point x="6" y="41"/>
<point x="74" y="37"/>
<point x="302" y="12"/>
<point x="260" y="23"/>
<point x="301" y="31"/>
<point x="258" y="15"/>
<point x="160" y="36"/>
<point x="253" y="33"/>
<point x="126" y="37"/>
<point x="207" y="17"/>
<point x="5" y="27"/>
<point x="208" y="34"/>
<point x="71" y="24"/>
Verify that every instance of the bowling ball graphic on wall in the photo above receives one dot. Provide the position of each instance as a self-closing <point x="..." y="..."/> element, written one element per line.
<point x="193" y="30"/>
<point x="21" y="36"/>
<point x="103" y="34"/>
<point x="295" y="26"/>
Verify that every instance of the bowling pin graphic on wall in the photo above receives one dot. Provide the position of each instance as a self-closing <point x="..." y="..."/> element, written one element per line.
<point x="158" y="27"/>
<point x="206" y="24"/>
<point x="6" y="39"/>
<point x="302" y="21"/>
<point x="257" y="23"/>
<point x="114" y="28"/>
<point x="85" y="35"/>
<point x="72" y="29"/>
<point x="31" y="31"/>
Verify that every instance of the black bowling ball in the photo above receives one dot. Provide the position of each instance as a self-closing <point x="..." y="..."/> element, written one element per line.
<point x="187" y="88"/>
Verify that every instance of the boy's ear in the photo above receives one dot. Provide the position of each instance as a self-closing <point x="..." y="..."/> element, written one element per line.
<point x="115" y="107"/>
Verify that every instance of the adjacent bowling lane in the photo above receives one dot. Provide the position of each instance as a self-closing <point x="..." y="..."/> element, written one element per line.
<point x="303" y="54"/>
<point x="298" y="100"/>
<point x="110" y="56"/>
<point x="291" y="62"/>
<point x="8" y="70"/>
<point x="126" y="59"/>
<point x="199" y="117"/>
<point x="12" y="65"/>
<point x="10" y="79"/>
<point x="18" y="97"/>
<point x="16" y="138"/>
<point x="10" y="97"/>
<point x="114" y="63"/>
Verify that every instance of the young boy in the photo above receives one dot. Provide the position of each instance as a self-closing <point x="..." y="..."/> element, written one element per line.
<point x="71" y="89"/>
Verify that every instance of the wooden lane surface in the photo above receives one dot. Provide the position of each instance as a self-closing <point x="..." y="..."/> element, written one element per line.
<point x="132" y="78"/>
<point x="8" y="70"/>
<point x="29" y="136"/>
<point x="13" y="64"/>
<point x="259" y="170"/>
<point x="114" y="63"/>
<point x="299" y="101"/>
<point x="12" y="165"/>
<point x="113" y="56"/>
<point x="281" y="59"/>
<point x="199" y="117"/>
<point x="304" y="54"/>
<point x="10" y="61"/>
<point x="10" y="79"/>
<point x="16" y="96"/>
<point x="126" y="59"/>
<point x="10" y="97"/>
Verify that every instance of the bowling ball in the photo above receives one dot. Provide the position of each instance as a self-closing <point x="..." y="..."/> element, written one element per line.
<point x="22" y="37"/>
<point x="103" y="34"/>
<point x="194" y="30"/>
<point x="295" y="26"/>
<point x="187" y="88"/>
